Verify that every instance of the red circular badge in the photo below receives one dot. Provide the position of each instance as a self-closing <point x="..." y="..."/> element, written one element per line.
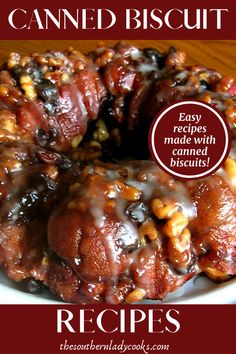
<point x="189" y="139"/>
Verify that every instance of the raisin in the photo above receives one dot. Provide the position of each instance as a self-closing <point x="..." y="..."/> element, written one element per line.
<point x="47" y="91"/>
<point x="23" y="206"/>
<point x="42" y="182"/>
<point x="64" y="162"/>
<point x="138" y="212"/>
<point x="27" y="203"/>
<point x="16" y="72"/>
<point x="204" y="85"/>
<point x="60" y="160"/>
<point x="153" y="54"/>
<point x="41" y="137"/>
<point x="37" y="75"/>
<point x="50" y="108"/>
<point x="32" y="286"/>
<point x="52" y="134"/>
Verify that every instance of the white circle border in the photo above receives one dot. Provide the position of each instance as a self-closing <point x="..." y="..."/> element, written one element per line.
<point x="187" y="102"/>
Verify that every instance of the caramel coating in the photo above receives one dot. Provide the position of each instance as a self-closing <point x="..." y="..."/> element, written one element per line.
<point x="90" y="230"/>
<point x="108" y="228"/>
<point x="213" y="230"/>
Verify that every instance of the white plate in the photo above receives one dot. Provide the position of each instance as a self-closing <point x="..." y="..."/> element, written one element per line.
<point x="199" y="290"/>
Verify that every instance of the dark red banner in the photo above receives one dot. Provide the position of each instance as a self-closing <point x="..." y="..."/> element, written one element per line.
<point x="168" y="19"/>
<point x="128" y="329"/>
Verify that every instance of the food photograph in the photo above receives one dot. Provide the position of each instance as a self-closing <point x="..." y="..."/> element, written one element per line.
<point x="87" y="217"/>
